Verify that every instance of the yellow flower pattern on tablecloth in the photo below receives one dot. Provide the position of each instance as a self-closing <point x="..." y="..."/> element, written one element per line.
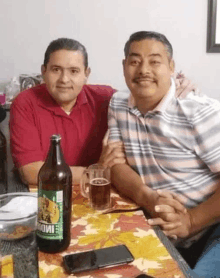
<point x="95" y="231"/>
<point x="92" y="230"/>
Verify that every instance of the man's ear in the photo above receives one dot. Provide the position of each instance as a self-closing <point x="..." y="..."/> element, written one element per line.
<point x="172" y="66"/>
<point x="123" y="63"/>
<point x="43" y="70"/>
<point x="87" y="73"/>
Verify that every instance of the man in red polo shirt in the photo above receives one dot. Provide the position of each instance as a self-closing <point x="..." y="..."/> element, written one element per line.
<point x="64" y="105"/>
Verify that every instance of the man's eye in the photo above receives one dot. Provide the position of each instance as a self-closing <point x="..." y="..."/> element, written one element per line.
<point x="134" y="63"/>
<point x="55" y="69"/>
<point x="155" y="62"/>
<point x="74" y="71"/>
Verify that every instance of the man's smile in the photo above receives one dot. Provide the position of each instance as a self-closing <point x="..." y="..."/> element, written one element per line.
<point x="64" y="88"/>
<point x="143" y="80"/>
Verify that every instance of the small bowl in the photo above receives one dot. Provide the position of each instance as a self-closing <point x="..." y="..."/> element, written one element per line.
<point x="18" y="215"/>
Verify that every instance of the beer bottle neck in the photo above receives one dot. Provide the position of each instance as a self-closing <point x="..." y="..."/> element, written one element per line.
<point x="55" y="156"/>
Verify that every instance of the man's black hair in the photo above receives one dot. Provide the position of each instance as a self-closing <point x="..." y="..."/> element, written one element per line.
<point x="143" y="35"/>
<point x="67" y="44"/>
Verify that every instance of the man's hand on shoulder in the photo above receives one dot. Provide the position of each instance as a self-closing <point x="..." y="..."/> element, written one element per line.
<point x="184" y="85"/>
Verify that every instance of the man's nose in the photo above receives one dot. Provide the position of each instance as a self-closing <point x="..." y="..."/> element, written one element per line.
<point x="64" y="77"/>
<point x="144" y="68"/>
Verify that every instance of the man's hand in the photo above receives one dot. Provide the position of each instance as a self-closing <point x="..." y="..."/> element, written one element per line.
<point x="177" y="224"/>
<point x="112" y="153"/>
<point x="184" y="85"/>
<point x="173" y="217"/>
<point x="167" y="200"/>
<point x="170" y="199"/>
<point x="184" y="228"/>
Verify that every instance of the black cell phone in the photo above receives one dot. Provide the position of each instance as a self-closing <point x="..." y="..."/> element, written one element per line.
<point x="96" y="259"/>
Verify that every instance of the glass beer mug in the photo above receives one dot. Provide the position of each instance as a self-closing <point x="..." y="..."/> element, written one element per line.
<point x="96" y="186"/>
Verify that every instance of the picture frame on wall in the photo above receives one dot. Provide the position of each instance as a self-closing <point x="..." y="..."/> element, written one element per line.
<point x="213" y="27"/>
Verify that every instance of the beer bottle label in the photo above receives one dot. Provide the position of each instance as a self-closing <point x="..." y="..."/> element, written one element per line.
<point x="50" y="214"/>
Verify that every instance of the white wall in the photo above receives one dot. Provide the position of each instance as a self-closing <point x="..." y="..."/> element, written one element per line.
<point x="103" y="26"/>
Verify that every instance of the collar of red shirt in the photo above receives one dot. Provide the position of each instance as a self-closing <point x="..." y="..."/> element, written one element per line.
<point x="48" y="102"/>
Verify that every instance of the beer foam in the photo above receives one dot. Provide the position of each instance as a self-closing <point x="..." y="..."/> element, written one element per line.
<point x="99" y="181"/>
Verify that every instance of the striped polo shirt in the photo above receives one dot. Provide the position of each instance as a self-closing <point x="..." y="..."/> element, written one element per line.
<point x="174" y="147"/>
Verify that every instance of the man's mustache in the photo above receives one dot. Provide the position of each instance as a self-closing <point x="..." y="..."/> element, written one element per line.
<point x="143" y="78"/>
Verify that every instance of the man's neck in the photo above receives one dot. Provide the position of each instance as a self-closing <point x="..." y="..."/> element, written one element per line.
<point x="145" y="105"/>
<point x="67" y="107"/>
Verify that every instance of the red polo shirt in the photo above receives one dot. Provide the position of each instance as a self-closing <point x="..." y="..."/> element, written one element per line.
<point x="35" y="116"/>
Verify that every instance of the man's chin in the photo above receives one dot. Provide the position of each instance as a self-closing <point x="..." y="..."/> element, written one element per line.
<point x="144" y="92"/>
<point x="63" y="99"/>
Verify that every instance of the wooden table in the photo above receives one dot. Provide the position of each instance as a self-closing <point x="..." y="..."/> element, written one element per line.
<point x="153" y="252"/>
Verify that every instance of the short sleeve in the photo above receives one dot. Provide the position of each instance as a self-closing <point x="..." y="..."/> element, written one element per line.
<point x="114" y="131"/>
<point x="206" y="125"/>
<point x="24" y="135"/>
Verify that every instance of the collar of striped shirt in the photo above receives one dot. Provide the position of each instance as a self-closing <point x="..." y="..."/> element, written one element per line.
<point x="163" y="103"/>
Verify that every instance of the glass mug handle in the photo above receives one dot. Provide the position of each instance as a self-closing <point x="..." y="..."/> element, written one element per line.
<point x="84" y="184"/>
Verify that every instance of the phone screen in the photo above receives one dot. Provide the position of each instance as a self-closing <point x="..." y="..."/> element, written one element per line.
<point x="97" y="258"/>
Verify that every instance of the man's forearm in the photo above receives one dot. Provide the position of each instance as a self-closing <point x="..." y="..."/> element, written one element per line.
<point x="129" y="183"/>
<point x="206" y="214"/>
<point x="29" y="173"/>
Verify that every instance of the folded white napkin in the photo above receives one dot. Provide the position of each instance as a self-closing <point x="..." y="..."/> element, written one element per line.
<point x="19" y="207"/>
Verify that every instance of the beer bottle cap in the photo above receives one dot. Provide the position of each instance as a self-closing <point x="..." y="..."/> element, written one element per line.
<point x="55" y="137"/>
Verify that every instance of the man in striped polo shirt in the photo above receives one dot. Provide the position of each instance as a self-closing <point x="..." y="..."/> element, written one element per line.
<point x="170" y="143"/>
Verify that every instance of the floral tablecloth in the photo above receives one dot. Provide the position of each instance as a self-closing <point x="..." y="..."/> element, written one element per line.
<point x="93" y="230"/>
